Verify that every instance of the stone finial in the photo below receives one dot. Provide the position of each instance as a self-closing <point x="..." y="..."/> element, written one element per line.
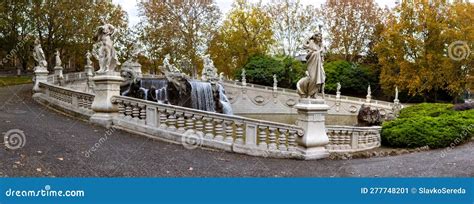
<point x="275" y="82"/>
<point x="244" y="80"/>
<point x="369" y="95"/>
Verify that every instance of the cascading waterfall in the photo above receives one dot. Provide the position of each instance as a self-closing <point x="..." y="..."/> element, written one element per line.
<point x="201" y="96"/>
<point x="226" y="107"/>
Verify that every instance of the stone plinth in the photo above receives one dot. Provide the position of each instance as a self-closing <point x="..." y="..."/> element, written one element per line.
<point x="41" y="75"/>
<point x="311" y="117"/>
<point x="106" y="86"/>
<point x="89" y="70"/>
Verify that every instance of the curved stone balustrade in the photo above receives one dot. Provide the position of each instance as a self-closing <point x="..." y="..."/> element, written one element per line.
<point x="230" y="133"/>
<point x="67" y="99"/>
<point x="352" y="139"/>
<point x="224" y="132"/>
<point x="257" y="99"/>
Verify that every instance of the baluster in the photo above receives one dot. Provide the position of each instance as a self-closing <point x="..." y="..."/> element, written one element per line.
<point x="219" y="129"/>
<point x="272" y="138"/>
<point x="163" y="118"/>
<point x="208" y="127"/>
<point x="199" y="124"/>
<point x="239" y="133"/>
<point x="181" y="121"/>
<point x="128" y="110"/>
<point x="189" y="121"/>
<point x="171" y="122"/>
<point x="142" y="111"/>
<point x="292" y="135"/>
<point x="229" y="131"/>
<point x="121" y="108"/>
<point x="262" y="136"/>
<point x="282" y="139"/>
<point x="135" y="111"/>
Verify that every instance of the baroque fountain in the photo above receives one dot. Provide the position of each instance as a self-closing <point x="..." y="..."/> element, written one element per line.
<point x="209" y="112"/>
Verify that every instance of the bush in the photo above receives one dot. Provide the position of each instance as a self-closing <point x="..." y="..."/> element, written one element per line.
<point x="260" y="70"/>
<point x="354" y="79"/>
<point x="432" y="125"/>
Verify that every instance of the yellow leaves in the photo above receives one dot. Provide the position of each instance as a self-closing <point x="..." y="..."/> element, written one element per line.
<point x="413" y="50"/>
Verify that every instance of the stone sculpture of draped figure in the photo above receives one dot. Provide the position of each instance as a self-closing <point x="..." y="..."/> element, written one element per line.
<point x="313" y="83"/>
<point x="104" y="50"/>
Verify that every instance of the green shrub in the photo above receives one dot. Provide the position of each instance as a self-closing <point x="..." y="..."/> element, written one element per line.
<point x="354" y="78"/>
<point x="433" y="125"/>
<point x="260" y="70"/>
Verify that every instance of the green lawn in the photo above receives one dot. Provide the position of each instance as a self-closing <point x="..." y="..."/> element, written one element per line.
<point x="14" y="80"/>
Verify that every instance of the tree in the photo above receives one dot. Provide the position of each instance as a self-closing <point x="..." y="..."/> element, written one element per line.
<point x="293" y="23"/>
<point x="415" y="46"/>
<point x="179" y="28"/>
<point x="350" y="24"/>
<point x="16" y="33"/>
<point x="246" y="32"/>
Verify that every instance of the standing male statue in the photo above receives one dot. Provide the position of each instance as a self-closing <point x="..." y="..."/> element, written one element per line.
<point x="104" y="50"/>
<point x="38" y="55"/>
<point x="313" y="83"/>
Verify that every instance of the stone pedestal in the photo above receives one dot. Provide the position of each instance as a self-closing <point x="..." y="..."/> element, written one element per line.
<point x="106" y="86"/>
<point x="58" y="71"/>
<point x="311" y="117"/>
<point x="41" y="75"/>
<point x="89" y="70"/>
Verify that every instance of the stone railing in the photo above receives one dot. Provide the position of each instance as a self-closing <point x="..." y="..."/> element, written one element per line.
<point x="218" y="131"/>
<point x="67" y="99"/>
<point x="352" y="139"/>
<point x="257" y="99"/>
<point x="230" y="133"/>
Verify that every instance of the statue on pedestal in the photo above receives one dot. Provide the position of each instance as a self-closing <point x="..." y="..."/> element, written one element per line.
<point x="58" y="59"/>
<point x="313" y="83"/>
<point x="104" y="50"/>
<point x="209" y="72"/>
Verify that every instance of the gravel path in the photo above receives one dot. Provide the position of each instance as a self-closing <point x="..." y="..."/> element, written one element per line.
<point x="57" y="145"/>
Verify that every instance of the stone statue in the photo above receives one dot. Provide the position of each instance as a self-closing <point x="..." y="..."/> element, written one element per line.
<point x="88" y="59"/>
<point x="209" y="72"/>
<point x="396" y="93"/>
<point x="244" y="80"/>
<point x="137" y="50"/>
<point x="38" y="55"/>
<point x="104" y="50"/>
<point x="58" y="59"/>
<point x="338" y="88"/>
<point x="221" y="77"/>
<point x="168" y="67"/>
<point x="369" y="95"/>
<point x="313" y="83"/>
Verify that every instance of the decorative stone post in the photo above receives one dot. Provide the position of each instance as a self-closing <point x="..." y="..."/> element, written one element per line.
<point x="107" y="81"/>
<point x="106" y="86"/>
<point x="311" y="117"/>
<point x="41" y="72"/>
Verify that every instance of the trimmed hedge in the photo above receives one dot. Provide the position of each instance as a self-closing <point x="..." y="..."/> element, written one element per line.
<point x="432" y="125"/>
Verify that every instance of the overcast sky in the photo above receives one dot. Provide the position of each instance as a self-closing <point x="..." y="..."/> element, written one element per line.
<point x="131" y="6"/>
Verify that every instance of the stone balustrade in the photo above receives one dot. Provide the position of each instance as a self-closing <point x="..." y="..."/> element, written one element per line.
<point x="230" y="133"/>
<point x="218" y="131"/>
<point x="67" y="99"/>
<point x="352" y="139"/>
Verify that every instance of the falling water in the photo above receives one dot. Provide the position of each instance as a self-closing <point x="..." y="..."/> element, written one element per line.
<point x="201" y="96"/>
<point x="226" y="107"/>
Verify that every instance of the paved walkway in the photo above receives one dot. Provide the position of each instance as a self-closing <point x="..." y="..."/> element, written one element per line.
<point x="56" y="145"/>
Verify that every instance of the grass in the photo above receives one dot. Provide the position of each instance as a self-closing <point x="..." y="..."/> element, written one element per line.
<point x="14" y="80"/>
